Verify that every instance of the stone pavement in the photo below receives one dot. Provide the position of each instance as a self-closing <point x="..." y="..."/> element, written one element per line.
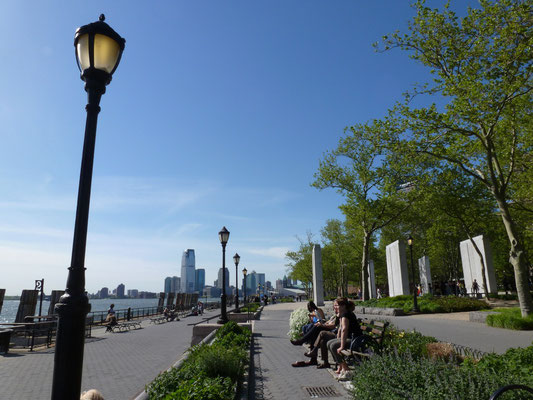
<point x="117" y="364"/>
<point x="276" y="379"/>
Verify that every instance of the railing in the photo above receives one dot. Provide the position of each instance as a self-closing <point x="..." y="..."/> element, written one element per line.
<point x="508" y="388"/>
<point x="210" y="318"/>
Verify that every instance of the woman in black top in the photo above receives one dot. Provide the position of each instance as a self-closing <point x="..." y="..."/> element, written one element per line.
<point x="348" y="327"/>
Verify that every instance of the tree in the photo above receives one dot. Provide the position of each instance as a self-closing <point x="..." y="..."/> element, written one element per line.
<point x="337" y="241"/>
<point x="300" y="262"/>
<point x="370" y="178"/>
<point x="482" y="67"/>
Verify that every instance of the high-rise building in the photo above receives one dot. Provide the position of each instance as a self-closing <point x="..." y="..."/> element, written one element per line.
<point x="251" y="283"/>
<point x="219" y="280"/>
<point x="188" y="273"/>
<point x="121" y="290"/>
<point x="133" y="293"/>
<point x="261" y="280"/>
<point x="172" y="284"/>
<point x="279" y="285"/>
<point x="104" y="293"/>
<point x="200" y="280"/>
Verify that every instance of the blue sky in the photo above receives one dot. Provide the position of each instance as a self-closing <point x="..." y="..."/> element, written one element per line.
<point x="217" y="116"/>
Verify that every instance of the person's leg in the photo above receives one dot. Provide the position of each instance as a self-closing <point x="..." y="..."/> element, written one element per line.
<point x="333" y="345"/>
<point x="309" y="337"/>
<point x="326" y="338"/>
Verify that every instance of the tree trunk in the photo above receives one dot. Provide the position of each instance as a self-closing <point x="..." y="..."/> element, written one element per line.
<point x="364" y="266"/>
<point x="517" y="258"/>
<point x="476" y="248"/>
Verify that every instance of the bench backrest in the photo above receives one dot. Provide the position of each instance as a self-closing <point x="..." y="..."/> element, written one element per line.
<point x="376" y="329"/>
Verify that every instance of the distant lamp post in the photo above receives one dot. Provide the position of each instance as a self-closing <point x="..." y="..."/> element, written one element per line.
<point x="244" y="272"/>
<point x="415" y="301"/>
<point x="39" y="286"/>
<point x="236" y="258"/>
<point x="223" y="235"/>
<point x="98" y="52"/>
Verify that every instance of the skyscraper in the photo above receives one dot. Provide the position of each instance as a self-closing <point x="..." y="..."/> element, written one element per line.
<point x="172" y="284"/>
<point x="188" y="274"/>
<point x="120" y="290"/>
<point x="219" y="280"/>
<point x="200" y="280"/>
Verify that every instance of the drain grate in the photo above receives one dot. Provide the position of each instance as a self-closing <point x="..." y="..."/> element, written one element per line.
<point x="316" y="392"/>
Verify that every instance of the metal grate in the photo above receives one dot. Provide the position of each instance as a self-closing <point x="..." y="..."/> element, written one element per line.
<point x="316" y="392"/>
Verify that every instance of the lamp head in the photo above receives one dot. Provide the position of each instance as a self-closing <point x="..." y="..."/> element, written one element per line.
<point x="410" y="240"/>
<point x="244" y="271"/>
<point x="236" y="258"/>
<point x="223" y="235"/>
<point x="98" y="51"/>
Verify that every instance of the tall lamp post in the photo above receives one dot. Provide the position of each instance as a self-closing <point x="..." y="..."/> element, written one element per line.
<point x="244" y="273"/>
<point x="98" y="52"/>
<point x="236" y="258"/>
<point x="39" y="285"/>
<point x="415" y="302"/>
<point x="223" y="235"/>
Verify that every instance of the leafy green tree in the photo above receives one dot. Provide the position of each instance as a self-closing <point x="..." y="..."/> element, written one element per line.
<point x="369" y="176"/>
<point x="482" y="69"/>
<point x="300" y="262"/>
<point x="336" y="240"/>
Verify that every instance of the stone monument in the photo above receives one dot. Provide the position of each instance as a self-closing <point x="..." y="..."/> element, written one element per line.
<point x="318" y="282"/>
<point x="371" y="280"/>
<point x="472" y="264"/>
<point x="397" y="269"/>
<point x="425" y="274"/>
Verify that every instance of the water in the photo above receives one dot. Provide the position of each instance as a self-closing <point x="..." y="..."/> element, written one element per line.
<point x="10" y="307"/>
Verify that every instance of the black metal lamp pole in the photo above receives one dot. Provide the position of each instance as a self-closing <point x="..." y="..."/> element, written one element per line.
<point x="223" y="235"/>
<point x="244" y="272"/>
<point x="98" y="52"/>
<point x="236" y="258"/>
<point x="415" y="302"/>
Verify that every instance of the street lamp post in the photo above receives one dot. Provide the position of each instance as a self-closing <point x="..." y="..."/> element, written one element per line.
<point x="223" y="235"/>
<point x="98" y="52"/>
<point x="236" y="258"/>
<point x="39" y="285"/>
<point x="415" y="302"/>
<point x="244" y="272"/>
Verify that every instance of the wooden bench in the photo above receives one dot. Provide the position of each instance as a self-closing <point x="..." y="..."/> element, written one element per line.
<point x="369" y="343"/>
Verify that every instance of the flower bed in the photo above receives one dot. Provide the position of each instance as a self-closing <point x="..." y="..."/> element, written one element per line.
<point x="210" y="372"/>
<point x="418" y="367"/>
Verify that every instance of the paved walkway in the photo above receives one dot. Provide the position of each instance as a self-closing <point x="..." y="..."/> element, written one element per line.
<point x="117" y="364"/>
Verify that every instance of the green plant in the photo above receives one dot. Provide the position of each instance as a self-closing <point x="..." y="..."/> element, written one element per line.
<point x="204" y="388"/>
<point x="395" y="376"/>
<point x="401" y="342"/>
<point x="510" y="318"/>
<point x="297" y="320"/>
<point x="428" y="304"/>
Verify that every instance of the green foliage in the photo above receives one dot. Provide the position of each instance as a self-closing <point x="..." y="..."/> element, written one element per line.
<point x="204" y="388"/>
<point x="252" y="307"/>
<point x="517" y="361"/>
<point x="401" y="342"/>
<point x="428" y="304"/>
<point x="286" y="300"/>
<point x="510" y="318"/>
<point x="395" y="376"/>
<point x="210" y="371"/>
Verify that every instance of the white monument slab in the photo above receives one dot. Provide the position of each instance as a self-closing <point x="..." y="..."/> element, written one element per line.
<point x="425" y="274"/>
<point x="397" y="269"/>
<point x="371" y="280"/>
<point x="472" y="264"/>
<point x="318" y="282"/>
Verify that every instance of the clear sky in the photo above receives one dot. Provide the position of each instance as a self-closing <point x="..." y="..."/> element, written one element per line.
<point x="217" y="116"/>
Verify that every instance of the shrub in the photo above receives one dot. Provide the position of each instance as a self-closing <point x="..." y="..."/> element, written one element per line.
<point x="511" y="319"/>
<point x="517" y="361"/>
<point x="221" y="361"/>
<point x="401" y="342"/>
<point x="298" y="319"/>
<point x="404" y="377"/>
<point x="428" y="303"/>
<point x="252" y="307"/>
<point x="204" y="388"/>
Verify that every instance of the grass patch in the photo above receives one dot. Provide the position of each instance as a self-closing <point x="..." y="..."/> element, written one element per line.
<point x="510" y="318"/>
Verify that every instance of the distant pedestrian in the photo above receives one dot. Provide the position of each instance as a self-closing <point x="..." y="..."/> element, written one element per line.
<point x="475" y="287"/>
<point x="378" y="290"/>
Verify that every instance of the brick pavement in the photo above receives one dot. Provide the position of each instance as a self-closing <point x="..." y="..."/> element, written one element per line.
<point x="117" y="364"/>
<point x="276" y="379"/>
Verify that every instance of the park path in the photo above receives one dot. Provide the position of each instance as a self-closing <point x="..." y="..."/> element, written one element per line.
<point x="117" y="364"/>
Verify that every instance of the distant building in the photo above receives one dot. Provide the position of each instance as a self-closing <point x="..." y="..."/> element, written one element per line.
<point x="104" y="293"/>
<point x="147" y="295"/>
<point x="188" y="273"/>
<point x="261" y="279"/>
<point x="121" y="290"/>
<point x="172" y="284"/>
<point x="279" y="285"/>
<point x="200" y="280"/>
<point x="269" y="285"/>
<point x="133" y="293"/>
<point x="220" y="282"/>
<point x="251" y="283"/>
<point x="211" y="291"/>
